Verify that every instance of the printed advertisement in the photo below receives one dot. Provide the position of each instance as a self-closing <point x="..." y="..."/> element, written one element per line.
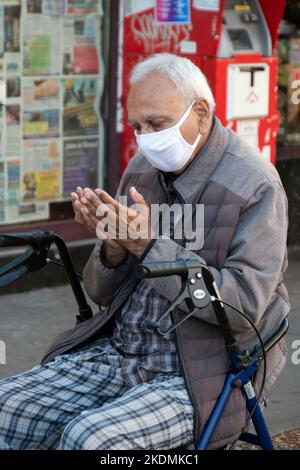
<point x="40" y="108"/>
<point x="14" y="209"/>
<point x="80" y="54"/>
<point x="38" y="124"/>
<point x="79" y="114"/>
<point x="41" y="171"/>
<point x="41" y="93"/>
<point x="41" y="45"/>
<point x="80" y="164"/>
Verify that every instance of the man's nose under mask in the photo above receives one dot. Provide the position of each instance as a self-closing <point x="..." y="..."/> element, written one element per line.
<point x="167" y="150"/>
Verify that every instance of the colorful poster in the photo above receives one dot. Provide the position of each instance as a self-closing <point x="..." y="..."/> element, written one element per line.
<point x="41" y="45"/>
<point x="41" y="124"/>
<point x="80" y="54"/>
<point x="79" y="113"/>
<point x="80" y="164"/>
<point x="14" y="209"/>
<point x="41" y="171"/>
<point x="41" y="94"/>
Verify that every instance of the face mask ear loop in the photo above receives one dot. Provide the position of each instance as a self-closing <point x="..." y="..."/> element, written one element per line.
<point x="184" y="117"/>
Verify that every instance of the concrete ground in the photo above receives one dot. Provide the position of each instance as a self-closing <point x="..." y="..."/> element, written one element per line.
<point x="29" y="321"/>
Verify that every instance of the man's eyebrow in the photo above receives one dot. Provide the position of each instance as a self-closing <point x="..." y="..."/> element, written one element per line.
<point x="151" y="117"/>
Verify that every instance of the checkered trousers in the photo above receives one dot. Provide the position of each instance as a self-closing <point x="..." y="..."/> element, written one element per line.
<point x="81" y="401"/>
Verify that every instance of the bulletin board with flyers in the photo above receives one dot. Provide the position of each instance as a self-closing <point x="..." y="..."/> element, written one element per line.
<point x="51" y="132"/>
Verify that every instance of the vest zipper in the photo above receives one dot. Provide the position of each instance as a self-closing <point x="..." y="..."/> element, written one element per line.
<point x="176" y="336"/>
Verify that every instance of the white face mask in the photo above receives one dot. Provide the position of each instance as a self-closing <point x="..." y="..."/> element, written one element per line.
<point x="167" y="150"/>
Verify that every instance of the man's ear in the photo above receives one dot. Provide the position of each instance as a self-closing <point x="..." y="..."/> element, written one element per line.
<point x="203" y="112"/>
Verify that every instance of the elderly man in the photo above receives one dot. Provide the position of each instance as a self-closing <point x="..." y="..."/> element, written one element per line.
<point x="114" y="382"/>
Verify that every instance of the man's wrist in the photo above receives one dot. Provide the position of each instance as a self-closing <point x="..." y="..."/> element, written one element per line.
<point x="110" y="260"/>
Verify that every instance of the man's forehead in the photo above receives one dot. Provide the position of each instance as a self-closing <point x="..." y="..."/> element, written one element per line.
<point x="154" y="87"/>
<point x="162" y="105"/>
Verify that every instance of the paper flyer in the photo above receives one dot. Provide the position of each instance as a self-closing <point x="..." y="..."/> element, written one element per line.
<point x="14" y="209"/>
<point x="42" y="93"/>
<point x="41" y="171"/>
<point x="41" y="45"/>
<point x="77" y="168"/>
<point x="79" y="115"/>
<point x="80" y="54"/>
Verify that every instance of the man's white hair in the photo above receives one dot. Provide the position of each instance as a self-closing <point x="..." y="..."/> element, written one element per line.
<point x="185" y="75"/>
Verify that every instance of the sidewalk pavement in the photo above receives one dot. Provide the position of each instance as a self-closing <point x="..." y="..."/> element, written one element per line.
<point x="29" y="321"/>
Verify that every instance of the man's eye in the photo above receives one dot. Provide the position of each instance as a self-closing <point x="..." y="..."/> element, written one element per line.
<point x="157" y="126"/>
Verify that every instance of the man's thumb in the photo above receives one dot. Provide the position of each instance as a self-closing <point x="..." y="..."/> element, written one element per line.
<point x="136" y="196"/>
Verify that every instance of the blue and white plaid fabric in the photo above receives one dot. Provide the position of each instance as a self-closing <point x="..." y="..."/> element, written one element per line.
<point x="81" y="401"/>
<point x="145" y="350"/>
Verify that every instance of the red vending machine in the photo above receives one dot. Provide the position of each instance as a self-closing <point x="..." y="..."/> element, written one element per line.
<point x="233" y="43"/>
<point x="243" y="74"/>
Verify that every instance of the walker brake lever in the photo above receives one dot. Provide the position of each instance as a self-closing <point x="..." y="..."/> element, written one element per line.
<point x="194" y="292"/>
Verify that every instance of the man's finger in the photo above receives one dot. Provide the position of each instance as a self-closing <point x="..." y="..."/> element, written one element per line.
<point x="89" y="220"/>
<point x="119" y="208"/>
<point x="77" y="204"/>
<point x="79" y="191"/>
<point x="137" y="197"/>
<point x="84" y="210"/>
<point x="74" y="196"/>
<point x="91" y="197"/>
<point x="91" y="208"/>
<point x="106" y="198"/>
